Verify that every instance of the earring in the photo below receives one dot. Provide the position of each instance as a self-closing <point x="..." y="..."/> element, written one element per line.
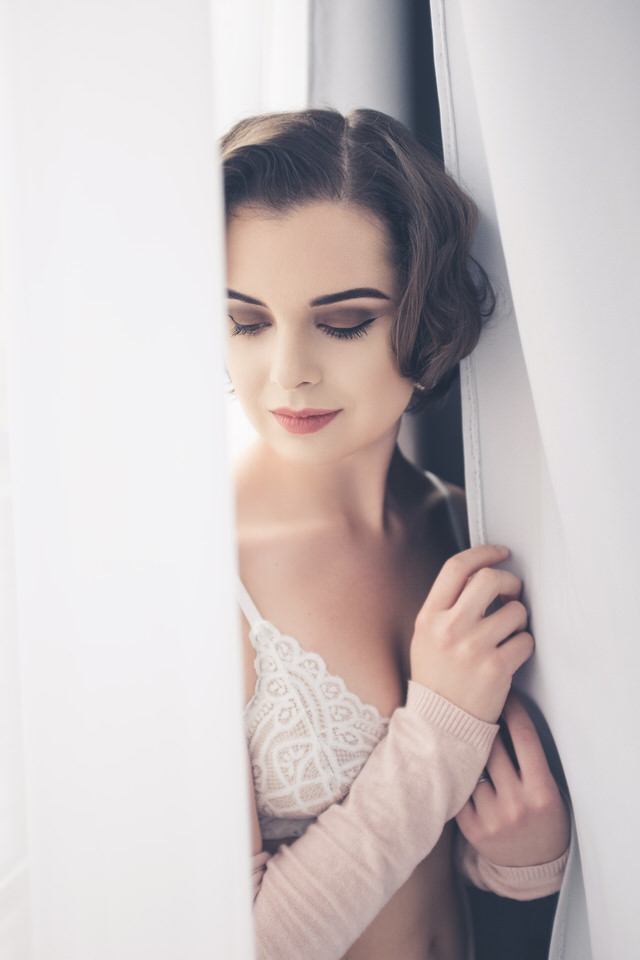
<point x="419" y="387"/>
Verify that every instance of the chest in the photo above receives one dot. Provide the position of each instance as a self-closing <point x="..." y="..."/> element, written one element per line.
<point x="353" y="605"/>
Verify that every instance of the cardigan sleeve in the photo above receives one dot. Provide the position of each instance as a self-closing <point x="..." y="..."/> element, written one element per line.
<point x="315" y="897"/>
<point x="517" y="883"/>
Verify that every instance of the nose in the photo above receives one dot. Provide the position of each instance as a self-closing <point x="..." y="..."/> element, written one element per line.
<point x="293" y="363"/>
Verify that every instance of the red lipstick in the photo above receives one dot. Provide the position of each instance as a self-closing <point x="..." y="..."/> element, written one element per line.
<point x="304" y="421"/>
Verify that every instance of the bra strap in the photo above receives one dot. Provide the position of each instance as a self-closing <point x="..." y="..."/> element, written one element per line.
<point x="456" y="525"/>
<point x="247" y="605"/>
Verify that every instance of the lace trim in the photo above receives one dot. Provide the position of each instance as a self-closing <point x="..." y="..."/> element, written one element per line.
<point x="317" y="666"/>
<point x="309" y="735"/>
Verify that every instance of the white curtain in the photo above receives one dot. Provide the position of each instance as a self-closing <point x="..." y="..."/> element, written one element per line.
<point x="122" y="778"/>
<point x="540" y="106"/>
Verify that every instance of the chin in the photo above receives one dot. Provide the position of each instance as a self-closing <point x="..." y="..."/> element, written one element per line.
<point x="326" y="450"/>
<point x="306" y="453"/>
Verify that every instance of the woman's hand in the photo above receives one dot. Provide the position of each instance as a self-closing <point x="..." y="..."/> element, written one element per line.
<point x="456" y="650"/>
<point x="517" y="818"/>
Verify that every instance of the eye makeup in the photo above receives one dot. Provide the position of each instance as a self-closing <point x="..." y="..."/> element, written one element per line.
<point x="245" y="329"/>
<point x="347" y="322"/>
<point x="347" y="333"/>
<point x="342" y="333"/>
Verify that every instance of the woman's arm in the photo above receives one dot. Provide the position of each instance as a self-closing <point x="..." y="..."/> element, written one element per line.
<point x="317" y="896"/>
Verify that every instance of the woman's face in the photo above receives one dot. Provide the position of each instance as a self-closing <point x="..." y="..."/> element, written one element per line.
<point x="312" y="297"/>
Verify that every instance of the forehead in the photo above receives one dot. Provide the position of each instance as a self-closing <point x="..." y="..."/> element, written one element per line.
<point x="313" y="249"/>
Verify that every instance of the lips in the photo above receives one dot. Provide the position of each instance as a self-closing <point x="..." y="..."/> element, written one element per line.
<point x="309" y="420"/>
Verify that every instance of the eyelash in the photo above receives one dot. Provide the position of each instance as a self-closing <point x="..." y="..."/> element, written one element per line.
<point x="342" y="333"/>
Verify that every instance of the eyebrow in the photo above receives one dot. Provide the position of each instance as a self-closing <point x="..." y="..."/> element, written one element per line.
<point x="234" y="295"/>
<point x="357" y="293"/>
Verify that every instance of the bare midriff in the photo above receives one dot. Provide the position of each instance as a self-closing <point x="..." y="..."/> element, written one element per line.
<point x="423" y="920"/>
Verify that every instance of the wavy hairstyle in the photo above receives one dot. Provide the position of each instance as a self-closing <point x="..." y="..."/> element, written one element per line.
<point x="283" y="160"/>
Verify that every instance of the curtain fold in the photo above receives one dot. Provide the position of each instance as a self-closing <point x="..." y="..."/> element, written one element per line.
<point x="541" y="104"/>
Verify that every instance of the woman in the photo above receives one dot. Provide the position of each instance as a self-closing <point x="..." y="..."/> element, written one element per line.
<point x="371" y="711"/>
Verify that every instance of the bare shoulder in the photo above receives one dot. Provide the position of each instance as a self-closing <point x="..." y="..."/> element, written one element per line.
<point x="433" y="509"/>
<point x="457" y="504"/>
<point x="445" y="516"/>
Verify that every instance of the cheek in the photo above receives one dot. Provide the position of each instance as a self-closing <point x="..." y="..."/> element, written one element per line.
<point x="242" y="367"/>
<point x="388" y="390"/>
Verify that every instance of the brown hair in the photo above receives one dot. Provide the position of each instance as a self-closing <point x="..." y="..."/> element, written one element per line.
<point x="368" y="158"/>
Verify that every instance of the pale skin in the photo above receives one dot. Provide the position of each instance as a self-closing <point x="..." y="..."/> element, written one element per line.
<point x="341" y="539"/>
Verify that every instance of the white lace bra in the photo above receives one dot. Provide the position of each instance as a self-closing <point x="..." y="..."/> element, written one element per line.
<point x="308" y="736"/>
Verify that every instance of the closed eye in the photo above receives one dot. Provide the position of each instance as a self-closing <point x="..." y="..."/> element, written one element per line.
<point x="347" y="333"/>
<point x="342" y="333"/>
<point x="245" y="328"/>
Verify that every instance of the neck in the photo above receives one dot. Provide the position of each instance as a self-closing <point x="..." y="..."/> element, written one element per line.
<point x="354" y="490"/>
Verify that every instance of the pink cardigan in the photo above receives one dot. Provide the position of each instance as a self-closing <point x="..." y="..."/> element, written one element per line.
<point x="320" y="893"/>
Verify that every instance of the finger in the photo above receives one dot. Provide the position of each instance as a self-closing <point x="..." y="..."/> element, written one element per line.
<point x="515" y="651"/>
<point x="527" y="745"/>
<point x="483" y="798"/>
<point x="467" y="817"/>
<point x="500" y="767"/>
<point x="508" y="620"/>
<point x="454" y="574"/>
<point x="486" y="586"/>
